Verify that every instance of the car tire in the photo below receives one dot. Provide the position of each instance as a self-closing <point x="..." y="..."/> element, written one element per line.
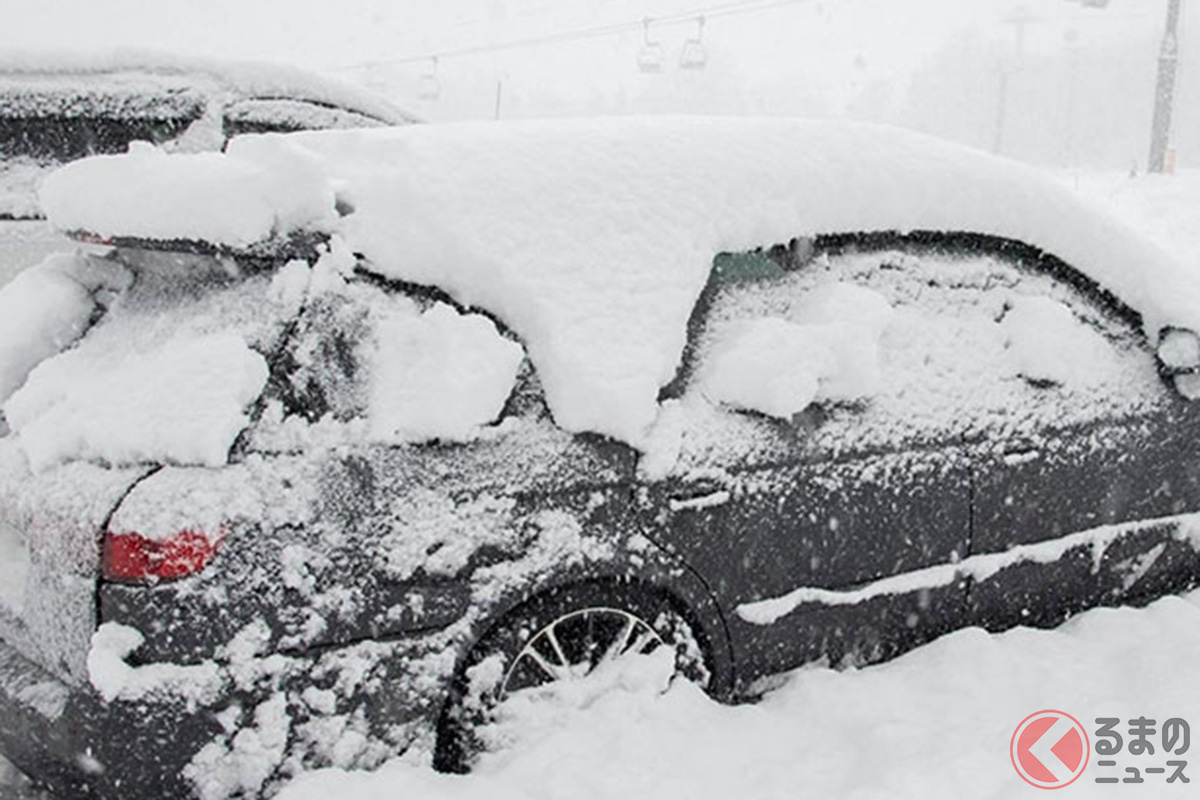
<point x="564" y="633"/>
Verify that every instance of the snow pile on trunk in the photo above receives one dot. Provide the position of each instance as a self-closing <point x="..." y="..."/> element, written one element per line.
<point x="239" y="197"/>
<point x="778" y="367"/>
<point x="46" y="308"/>
<point x="181" y="402"/>
<point x="438" y="375"/>
<point x="878" y="732"/>
<point x="592" y="239"/>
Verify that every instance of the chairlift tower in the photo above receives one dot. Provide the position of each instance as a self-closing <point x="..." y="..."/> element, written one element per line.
<point x="1164" y="94"/>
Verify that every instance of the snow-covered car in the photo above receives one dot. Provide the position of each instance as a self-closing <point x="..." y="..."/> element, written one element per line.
<point x="539" y="395"/>
<point x="55" y="108"/>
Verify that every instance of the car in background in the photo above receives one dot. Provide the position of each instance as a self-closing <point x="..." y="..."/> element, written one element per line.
<point x="58" y="108"/>
<point x="265" y="517"/>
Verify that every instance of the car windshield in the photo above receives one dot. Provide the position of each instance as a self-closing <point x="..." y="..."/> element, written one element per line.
<point x="46" y="125"/>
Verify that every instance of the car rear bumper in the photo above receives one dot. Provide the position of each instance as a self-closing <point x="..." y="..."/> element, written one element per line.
<point x="67" y="738"/>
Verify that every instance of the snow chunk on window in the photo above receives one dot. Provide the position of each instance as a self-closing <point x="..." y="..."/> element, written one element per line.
<point x="47" y="307"/>
<point x="182" y="402"/>
<point x="853" y="319"/>
<point x="768" y="365"/>
<point x="258" y="188"/>
<point x="779" y="367"/>
<point x="1049" y="344"/>
<point x="439" y="375"/>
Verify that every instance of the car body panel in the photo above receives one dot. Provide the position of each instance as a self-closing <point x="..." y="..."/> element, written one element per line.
<point x="353" y="575"/>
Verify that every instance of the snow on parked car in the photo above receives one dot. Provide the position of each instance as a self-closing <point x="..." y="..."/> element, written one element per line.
<point x="58" y="107"/>
<point x="524" y="398"/>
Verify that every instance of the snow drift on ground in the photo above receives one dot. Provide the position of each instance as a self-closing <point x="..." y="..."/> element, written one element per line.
<point x="592" y="239"/>
<point x="934" y="723"/>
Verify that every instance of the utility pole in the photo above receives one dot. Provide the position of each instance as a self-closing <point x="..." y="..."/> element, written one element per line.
<point x="1018" y="19"/>
<point x="1164" y="93"/>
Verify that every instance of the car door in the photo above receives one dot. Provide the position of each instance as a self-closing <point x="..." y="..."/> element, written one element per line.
<point x="409" y="506"/>
<point x="1079" y="497"/>
<point x="832" y="533"/>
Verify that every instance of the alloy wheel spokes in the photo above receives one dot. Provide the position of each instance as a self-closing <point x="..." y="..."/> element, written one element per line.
<point x="574" y="645"/>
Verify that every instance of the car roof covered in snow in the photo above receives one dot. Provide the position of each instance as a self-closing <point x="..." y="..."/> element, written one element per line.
<point x="29" y="80"/>
<point x="592" y="239"/>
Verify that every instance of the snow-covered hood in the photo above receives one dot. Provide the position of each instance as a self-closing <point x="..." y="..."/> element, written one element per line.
<point x="592" y="239"/>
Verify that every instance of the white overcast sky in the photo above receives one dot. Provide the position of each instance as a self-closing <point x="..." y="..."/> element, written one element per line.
<point x="853" y="58"/>
<point x="830" y="43"/>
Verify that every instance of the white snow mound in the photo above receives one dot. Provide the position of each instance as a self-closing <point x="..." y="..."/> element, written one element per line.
<point x="239" y="197"/>
<point x="1048" y="343"/>
<point x="46" y="308"/>
<point x="439" y="375"/>
<point x="778" y="367"/>
<point x="592" y="239"/>
<point x="768" y="365"/>
<point x="182" y="402"/>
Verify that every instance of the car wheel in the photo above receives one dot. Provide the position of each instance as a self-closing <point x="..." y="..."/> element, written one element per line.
<point x="564" y="635"/>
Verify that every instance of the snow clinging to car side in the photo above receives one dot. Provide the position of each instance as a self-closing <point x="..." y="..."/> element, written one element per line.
<point x="600" y="292"/>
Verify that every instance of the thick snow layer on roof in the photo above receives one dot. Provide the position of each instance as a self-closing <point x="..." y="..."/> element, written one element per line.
<point x="243" y="78"/>
<point x="238" y="197"/>
<point x="592" y="239"/>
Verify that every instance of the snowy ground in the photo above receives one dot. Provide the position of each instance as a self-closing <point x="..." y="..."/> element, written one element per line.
<point x="934" y="723"/>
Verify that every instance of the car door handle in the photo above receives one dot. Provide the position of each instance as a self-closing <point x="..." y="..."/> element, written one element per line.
<point x="704" y="493"/>
<point x="1020" y="452"/>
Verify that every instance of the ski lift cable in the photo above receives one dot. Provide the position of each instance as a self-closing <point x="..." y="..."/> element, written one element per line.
<point x="674" y="18"/>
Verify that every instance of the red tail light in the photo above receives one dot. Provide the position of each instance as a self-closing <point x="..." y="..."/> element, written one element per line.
<point x="133" y="557"/>
<point x="89" y="238"/>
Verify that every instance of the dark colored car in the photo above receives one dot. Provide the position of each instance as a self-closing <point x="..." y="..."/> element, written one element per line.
<point x="1024" y="454"/>
<point x="58" y="108"/>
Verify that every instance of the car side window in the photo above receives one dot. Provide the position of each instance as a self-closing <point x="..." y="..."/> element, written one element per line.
<point x="372" y="363"/>
<point x="914" y="343"/>
<point x="284" y="115"/>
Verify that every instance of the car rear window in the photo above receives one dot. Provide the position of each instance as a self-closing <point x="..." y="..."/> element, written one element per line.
<point x="61" y="123"/>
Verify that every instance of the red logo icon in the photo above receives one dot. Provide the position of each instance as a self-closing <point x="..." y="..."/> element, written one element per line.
<point x="1049" y="749"/>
